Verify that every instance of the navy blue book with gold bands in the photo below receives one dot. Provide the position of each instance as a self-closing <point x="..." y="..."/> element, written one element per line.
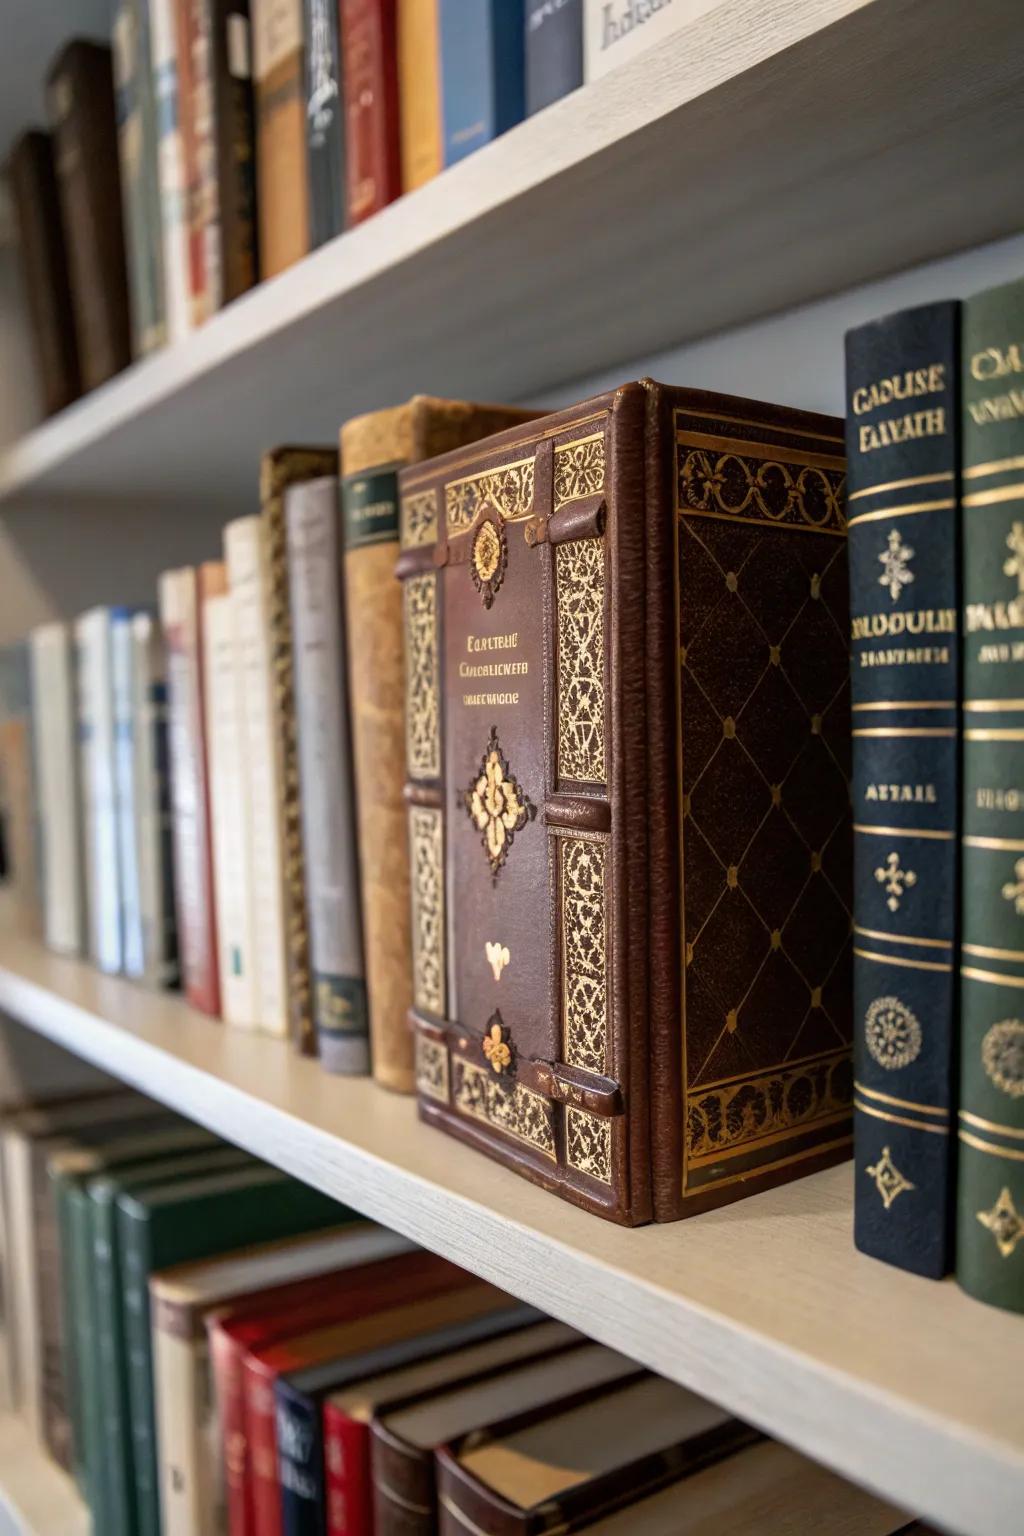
<point x="902" y="376"/>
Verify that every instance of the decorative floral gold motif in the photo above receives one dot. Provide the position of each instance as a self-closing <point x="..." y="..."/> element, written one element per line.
<point x="426" y="857"/>
<point x="509" y="491"/>
<point x="588" y="1144"/>
<point x="1013" y="890"/>
<point x="579" y="589"/>
<point x="896" y="880"/>
<point x="889" y="1182"/>
<point x="496" y="1044"/>
<point x="731" y="1114"/>
<point x="1004" y="1223"/>
<point x="726" y="485"/>
<point x="488" y="560"/>
<point x="518" y="1111"/>
<point x="895" y="562"/>
<point x="1002" y="1056"/>
<point x="584" y="953"/>
<point x="418" y="519"/>
<point x="496" y="804"/>
<point x="1015" y="565"/>
<point x="497" y="957"/>
<point x="422" y="718"/>
<point x="432" y="1069"/>
<point x="893" y="1033"/>
<point x="579" y="469"/>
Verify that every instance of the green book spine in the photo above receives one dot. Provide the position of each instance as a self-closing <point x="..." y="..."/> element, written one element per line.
<point x="80" y="1302"/>
<point x="113" y="1510"/>
<point x="990" y="1193"/>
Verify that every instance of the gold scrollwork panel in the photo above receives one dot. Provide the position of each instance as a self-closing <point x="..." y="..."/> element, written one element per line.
<point x="580" y="600"/>
<point x="422" y="710"/>
<point x="583" y="868"/>
<point x="426" y="859"/>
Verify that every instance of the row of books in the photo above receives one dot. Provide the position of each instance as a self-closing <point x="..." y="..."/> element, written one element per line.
<point x="212" y="1348"/>
<point x="935" y="434"/>
<point x="219" y="141"/>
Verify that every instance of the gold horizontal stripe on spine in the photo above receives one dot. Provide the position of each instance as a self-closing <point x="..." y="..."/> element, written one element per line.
<point x="396" y="1498"/>
<point x="748" y="421"/>
<point x="899" y="485"/>
<point x="817" y="1058"/>
<point x="1001" y="844"/>
<point x="990" y="1125"/>
<point x="929" y="832"/>
<point x="993" y="467"/>
<point x="896" y="733"/>
<point x="911" y="965"/>
<point x="769" y="1139"/>
<point x="477" y="1530"/>
<point x="994" y="733"/>
<point x="915" y="1125"/>
<point x="902" y="938"/>
<point x="910" y="510"/>
<point x="497" y="470"/>
<point x="991" y="978"/>
<point x="993" y="497"/>
<point x="774" y="451"/>
<point x="577" y="442"/>
<point x="908" y="704"/>
<point x="780" y="1162"/>
<point x="983" y="1146"/>
<point x="764" y="522"/>
<point x="985" y="953"/>
<point x="991" y="706"/>
<point x="887" y="1098"/>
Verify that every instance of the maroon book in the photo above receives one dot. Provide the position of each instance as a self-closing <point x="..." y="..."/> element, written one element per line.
<point x="373" y="157"/>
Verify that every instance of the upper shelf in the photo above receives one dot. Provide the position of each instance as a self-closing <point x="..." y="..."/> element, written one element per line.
<point x="901" y="1384"/>
<point x="771" y="152"/>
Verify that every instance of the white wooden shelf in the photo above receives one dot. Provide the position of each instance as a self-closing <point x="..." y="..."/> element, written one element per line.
<point x="36" y="1497"/>
<point x="770" y="152"/>
<point x="903" y="1385"/>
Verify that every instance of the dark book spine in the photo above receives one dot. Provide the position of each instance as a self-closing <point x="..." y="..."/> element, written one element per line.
<point x="482" y="72"/>
<point x="373" y="157"/>
<point x="404" y="1485"/>
<point x="990" y="1193"/>
<point x="902" y="378"/>
<point x="554" y="51"/>
<point x="300" y="1461"/>
<point x="133" y="1243"/>
<point x="235" y="138"/>
<point x="325" y="122"/>
<point x="111" y="1450"/>
<point x="44" y="266"/>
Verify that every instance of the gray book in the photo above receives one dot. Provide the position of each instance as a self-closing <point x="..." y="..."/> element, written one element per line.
<point x="326" y="781"/>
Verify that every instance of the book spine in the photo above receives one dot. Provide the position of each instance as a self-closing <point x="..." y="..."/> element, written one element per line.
<point x="136" y="132"/>
<point x="990" y="1192"/>
<point x="615" y="31"/>
<point x="80" y="1322"/>
<point x="325" y="776"/>
<point x="133" y="1243"/>
<point x="347" y="1472"/>
<point x="66" y="1444"/>
<point x="554" y="51"/>
<point x="153" y="820"/>
<point x="300" y="1458"/>
<point x="261" y="1435"/>
<point x="99" y="799"/>
<point x="111" y="1452"/>
<point x="54" y="710"/>
<point x="325" y="122"/>
<point x="163" y="33"/>
<point x="419" y="92"/>
<point x="247" y="575"/>
<point x="236" y="149"/>
<point x="482" y="73"/>
<point x="229" y="1392"/>
<point x="205" y="129"/>
<point x="280" y="95"/>
<point x="902" y="377"/>
<point x="404" y="1486"/>
<point x="187" y="1502"/>
<point x="44" y="268"/>
<point x="372" y="142"/>
<point x="187" y="37"/>
<point x="127" y="792"/>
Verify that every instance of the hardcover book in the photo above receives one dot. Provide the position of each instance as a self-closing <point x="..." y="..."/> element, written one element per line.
<point x="617" y="30"/>
<point x="54" y="716"/>
<point x="631" y="962"/>
<point x="153" y="832"/>
<point x="170" y="166"/>
<point x="325" y="122"/>
<point x="903" y="385"/>
<point x="281" y="176"/>
<point x="80" y="101"/>
<point x="278" y="470"/>
<point x="482" y="72"/>
<point x="554" y="51"/>
<point x="126" y="792"/>
<point x="326" y="790"/>
<point x="372" y="139"/>
<point x="373" y="448"/>
<point x="419" y="91"/>
<point x="44" y="268"/>
<point x="990" y="1190"/>
<point x="98" y="775"/>
<point x="190" y="104"/>
<point x="140" y="189"/>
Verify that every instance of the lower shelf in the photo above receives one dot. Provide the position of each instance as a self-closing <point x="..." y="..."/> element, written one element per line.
<point x="903" y="1385"/>
<point x="36" y="1497"/>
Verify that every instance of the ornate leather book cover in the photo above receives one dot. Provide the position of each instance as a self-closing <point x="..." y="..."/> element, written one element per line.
<point x="419" y="92"/>
<point x="80" y="101"/>
<point x="990" y="1191"/>
<point x="44" y="268"/>
<point x="325" y="122"/>
<point x="372" y="144"/>
<point x="279" y="469"/>
<point x="140" y="187"/>
<point x="373" y="448"/>
<point x="482" y="72"/>
<point x="281" y="179"/>
<point x="554" y="51"/>
<point x="632" y="962"/>
<point x="902" y="432"/>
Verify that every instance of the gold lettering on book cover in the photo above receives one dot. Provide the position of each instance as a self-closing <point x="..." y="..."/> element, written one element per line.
<point x="508" y="490"/>
<point x="426" y="857"/>
<point x="422" y="719"/>
<point x="580" y="591"/>
<point x="727" y="484"/>
<point x="579" y="469"/>
<point x="584" y="953"/>
<point x="432" y="1069"/>
<point x="515" y="1110"/>
<point x="588" y="1144"/>
<point x="418" y="519"/>
<point x="751" y="1109"/>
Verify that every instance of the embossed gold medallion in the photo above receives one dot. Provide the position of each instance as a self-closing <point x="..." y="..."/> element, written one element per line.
<point x="496" y="1044"/>
<point x="1004" y="1222"/>
<point x="496" y="804"/>
<point x="889" y="1182"/>
<point x="896" y="879"/>
<point x="1002" y="1056"/>
<point x="488" y="559"/>
<point x="892" y="1033"/>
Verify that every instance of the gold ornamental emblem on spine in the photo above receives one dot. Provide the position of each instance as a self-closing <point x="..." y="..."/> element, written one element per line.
<point x="1004" y="1222"/>
<point x="488" y="559"/>
<point x="1002" y="1056"/>
<point x="889" y="1182"/>
<point x="496" y="804"/>
<point x="892" y="1033"/>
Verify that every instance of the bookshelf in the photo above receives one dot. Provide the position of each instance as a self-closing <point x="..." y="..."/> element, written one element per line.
<point x="36" y="1497"/>
<point x="900" y="1384"/>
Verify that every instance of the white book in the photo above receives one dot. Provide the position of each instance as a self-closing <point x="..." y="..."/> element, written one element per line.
<point x="99" y="787"/>
<point x="229" y="812"/>
<point x="163" y="47"/>
<point x="153" y="830"/>
<point x="248" y="583"/>
<point x="617" y="30"/>
<point x="133" y="959"/>
<point x="54" y="717"/>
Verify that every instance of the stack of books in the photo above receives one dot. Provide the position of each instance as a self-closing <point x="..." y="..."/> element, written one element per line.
<point x="209" y="1347"/>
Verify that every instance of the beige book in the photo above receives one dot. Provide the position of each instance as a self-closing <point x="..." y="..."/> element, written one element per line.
<point x="282" y="184"/>
<point x="53" y="715"/>
<point x="615" y="31"/>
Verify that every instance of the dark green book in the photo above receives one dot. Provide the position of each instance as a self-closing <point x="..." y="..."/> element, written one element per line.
<point x="108" y="1438"/>
<point x="173" y="1224"/>
<point x="990" y="1191"/>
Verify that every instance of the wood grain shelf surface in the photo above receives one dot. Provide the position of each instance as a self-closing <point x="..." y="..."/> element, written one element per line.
<point x="36" y="1497"/>
<point x="903" y="1385"/>
<point x="772" y="151"/>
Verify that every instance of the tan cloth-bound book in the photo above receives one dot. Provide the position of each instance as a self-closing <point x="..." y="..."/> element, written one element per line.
<point x="282" y="184"/>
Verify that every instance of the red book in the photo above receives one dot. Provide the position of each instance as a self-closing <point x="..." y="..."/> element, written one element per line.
<point x="373" y="156"/>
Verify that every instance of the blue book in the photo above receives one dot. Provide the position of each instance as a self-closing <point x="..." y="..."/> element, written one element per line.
<point x="482" y="72"/>
<point x="554" y="51"/>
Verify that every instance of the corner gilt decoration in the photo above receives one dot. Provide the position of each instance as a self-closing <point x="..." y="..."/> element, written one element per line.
<point x="496" y="804"/>
<point x="497" y="1046"/>
<point x="889" y="1182"/>
<point x="1004" y="1222"/>
<point x="488" y="560"/>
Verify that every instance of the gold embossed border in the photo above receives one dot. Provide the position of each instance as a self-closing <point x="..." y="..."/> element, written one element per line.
<point x="508" y="490"/>
<point x="738" y="479"/>
<point x="579" y="469"/>
<point x="422" y="688"/>
<point x="426" y="861"/>
<point x="583" y="869"/>
<point x="580" y="602"/>
<point x="588" y="1144"/>
<point x="518" y="1111"/>
<point x="747" y="1113"/>
<point x="418" y="519"/>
